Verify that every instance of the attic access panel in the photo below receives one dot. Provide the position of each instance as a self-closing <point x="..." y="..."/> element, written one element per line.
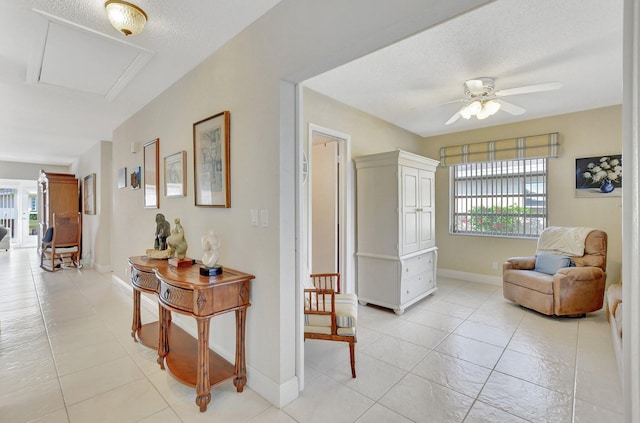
<point x="79" y="59"/>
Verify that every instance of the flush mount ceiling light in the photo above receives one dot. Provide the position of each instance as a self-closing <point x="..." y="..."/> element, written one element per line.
<point x="125" y="17"/>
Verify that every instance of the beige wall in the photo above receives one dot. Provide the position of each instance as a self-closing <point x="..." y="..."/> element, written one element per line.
<point x="368" y="133"/>
<point x="583" y="134"/>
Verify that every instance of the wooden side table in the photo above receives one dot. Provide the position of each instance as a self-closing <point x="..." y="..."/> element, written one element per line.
<point x="185" y="291"/>
<point x="143" y="279"/>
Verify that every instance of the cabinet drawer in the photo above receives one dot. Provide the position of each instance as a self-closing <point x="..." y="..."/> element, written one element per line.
<point x="144" y="280"/>
<point x="176" y="297"/>
<point x="415" y="285"/>
<point x="417" y="264"/>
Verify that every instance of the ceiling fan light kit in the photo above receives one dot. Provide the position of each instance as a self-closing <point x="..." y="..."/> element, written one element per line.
<point x="483" y="101"/>
<point x="125" y="17"/>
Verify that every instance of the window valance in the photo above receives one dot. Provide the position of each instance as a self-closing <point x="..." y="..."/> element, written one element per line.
<point x="536" y="146"/>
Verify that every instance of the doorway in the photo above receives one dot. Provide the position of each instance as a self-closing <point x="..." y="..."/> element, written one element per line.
<point x="18" y="211"/>
<point x="328" y="208"/>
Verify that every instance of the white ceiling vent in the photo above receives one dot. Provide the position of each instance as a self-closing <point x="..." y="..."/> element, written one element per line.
<point x="69" y="56"/>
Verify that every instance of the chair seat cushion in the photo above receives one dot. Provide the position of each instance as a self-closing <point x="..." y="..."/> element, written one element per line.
<point x="64" y="250"/>
<point x="346" y="315"/>
<point x="537" y="281"/>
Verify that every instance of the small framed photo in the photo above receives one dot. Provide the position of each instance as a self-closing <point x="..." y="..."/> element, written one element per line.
<point x="151" y="174"/>
<point x="122" y="177"/>
<point x="89" y="194"/>
<point x="599" y="177"/>
<point x="136" y="177"/>
<point x="175" y="175"/>
<point x="211" y="161"/>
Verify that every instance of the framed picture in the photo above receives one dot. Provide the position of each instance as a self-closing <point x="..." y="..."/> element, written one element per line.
<point x="599" y="176"/>
<point x="136" y="177"/>
<point x="122" y="177"/>
<point x="89" y="194"/>
<point x="211" y="161"/>
<point x="175" y="175"/>
<point x="151" y="174"/>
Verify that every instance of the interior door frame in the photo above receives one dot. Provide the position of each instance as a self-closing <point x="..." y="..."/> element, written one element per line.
<point x="345" y="202"/>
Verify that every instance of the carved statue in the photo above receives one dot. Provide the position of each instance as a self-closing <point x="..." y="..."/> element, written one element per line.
<point x="163" y="230"/>
<point x="210" y="248"/>
<point x="176" y="240"/>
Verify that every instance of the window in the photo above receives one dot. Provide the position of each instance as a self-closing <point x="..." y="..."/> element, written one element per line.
<point x="503" y="198"/>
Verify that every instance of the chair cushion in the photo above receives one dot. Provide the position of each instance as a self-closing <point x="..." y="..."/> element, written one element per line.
<point x="48" y="236"/>
<point x="346" y="314"/>
<point x="530" y="279"/>
<point x="551" y="263"/>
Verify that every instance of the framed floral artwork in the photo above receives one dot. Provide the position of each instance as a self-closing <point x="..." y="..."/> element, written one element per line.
<point x="211" y="161"/>
<point x="599" y="176"/>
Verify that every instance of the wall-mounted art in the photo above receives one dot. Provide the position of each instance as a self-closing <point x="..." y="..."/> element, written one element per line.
<point x="211" y="143"/>
<point x="599" y="176"/>
<point x="122" y="177"/>
<point x="135" y="178"/>
<point x="175" y="175"/>
<point x="89" y="194"/>
<point x="151" y="174"/>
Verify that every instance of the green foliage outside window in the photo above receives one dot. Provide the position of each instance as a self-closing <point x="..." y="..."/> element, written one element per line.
<point x="498" y="219"/>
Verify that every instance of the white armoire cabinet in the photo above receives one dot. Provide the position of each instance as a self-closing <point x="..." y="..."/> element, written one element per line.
<point x="396" y="251"/>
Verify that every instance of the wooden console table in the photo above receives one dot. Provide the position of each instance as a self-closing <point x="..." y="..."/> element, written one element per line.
<point x="185" y="291"/>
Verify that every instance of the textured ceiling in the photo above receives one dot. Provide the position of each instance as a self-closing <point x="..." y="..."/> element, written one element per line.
<point x="43" y="123"/>
<point x="519" y="42"/>
<point x="412" y="83"/>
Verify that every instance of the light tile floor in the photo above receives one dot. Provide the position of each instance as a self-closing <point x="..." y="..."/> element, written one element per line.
<point x="462" y="354"/>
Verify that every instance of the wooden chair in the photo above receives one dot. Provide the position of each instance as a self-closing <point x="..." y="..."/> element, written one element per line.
<point x="64" y="247"/>
<point x="329" y="314"/>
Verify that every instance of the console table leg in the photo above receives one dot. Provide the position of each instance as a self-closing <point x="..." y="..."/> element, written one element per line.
<point x="240" y="365"/>
<point x="137" y="322"/>
<point x="203" y="387"/>
<point x="164" y="317"/>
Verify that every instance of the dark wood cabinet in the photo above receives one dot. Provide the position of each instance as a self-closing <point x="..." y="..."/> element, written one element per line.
<point x="57" y="193"/>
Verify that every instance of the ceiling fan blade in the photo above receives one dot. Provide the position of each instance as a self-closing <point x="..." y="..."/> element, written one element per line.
<point x="547" y="86"/>
<point x="475" y="86"/>
<point x="453" y="118"/>
<point x="510" y="107"/>
<point x="456" y="101"/>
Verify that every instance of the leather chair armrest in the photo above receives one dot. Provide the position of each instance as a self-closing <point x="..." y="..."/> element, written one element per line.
<point x="519" y="263"/>
<point x="585" y="273"/>
<point x="578" y="290"/>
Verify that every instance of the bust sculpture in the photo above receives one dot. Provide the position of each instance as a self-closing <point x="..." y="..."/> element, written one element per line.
<point x="176" y="240"/>
<point x="210" y="248"/>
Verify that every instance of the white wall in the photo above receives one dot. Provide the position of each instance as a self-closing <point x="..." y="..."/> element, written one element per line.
<point x="28" y="171"/>
<point x="96" y="229"/>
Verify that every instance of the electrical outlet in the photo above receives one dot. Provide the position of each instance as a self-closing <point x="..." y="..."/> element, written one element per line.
<point x="254" y="217"/>
<point x="495" y="265"/>
<point x="264" y="217"/>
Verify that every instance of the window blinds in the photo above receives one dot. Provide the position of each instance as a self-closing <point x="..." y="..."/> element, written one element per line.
<point x="536" y="146"/>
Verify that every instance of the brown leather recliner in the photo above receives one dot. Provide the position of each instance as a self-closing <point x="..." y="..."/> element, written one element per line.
<point x="572" y="291"/>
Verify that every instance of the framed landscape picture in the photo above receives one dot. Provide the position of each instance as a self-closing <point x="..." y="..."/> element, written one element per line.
<point x="175" y="175"/>
<point x="136" y="177"/>
<point x="151" y="175"/>
<point x="89" y="194"/>
<point x="211" y="142"/>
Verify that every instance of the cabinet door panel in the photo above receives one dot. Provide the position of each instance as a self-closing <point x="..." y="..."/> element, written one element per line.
<point x="410" y="212"/>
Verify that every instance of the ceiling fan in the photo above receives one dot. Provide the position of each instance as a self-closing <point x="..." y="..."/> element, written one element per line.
<point x="481" y="99"/>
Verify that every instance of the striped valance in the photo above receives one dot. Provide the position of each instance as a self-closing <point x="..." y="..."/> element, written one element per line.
<point x="536" y="146"/>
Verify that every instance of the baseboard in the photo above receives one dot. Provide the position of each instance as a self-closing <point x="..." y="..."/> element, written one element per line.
<point x="277" y="394"/>
<point x="102" y="268"/>
<point x="471" y="277"/>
